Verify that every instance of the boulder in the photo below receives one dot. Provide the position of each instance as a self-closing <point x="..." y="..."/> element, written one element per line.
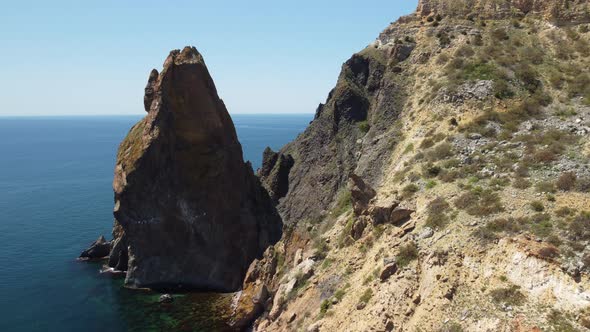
<point x="189" y="212"/>
<point x="358" y="228"/>
<point x="166" y="298"/>
<point x="250" y="304"/>
<point x="280" y="298"/>
<point x="361" y="194"/>
<point x="402" y="51"/>
<point x="97" y="250"/>
<point x="389" y="213"/>
<point x="399" y="216"/>
<point x="315" y="327"/>
<point x="388" y="271"/>
<point x="303" y="270"/>
<point x="426" y="233"/>
<point x="298" y="257"/>
<point x="262" y="270"/>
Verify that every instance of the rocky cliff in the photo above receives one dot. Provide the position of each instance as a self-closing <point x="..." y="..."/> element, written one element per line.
<point x="557" y="11"/>
<point x="443" y="185"/>
<point x="356" y="118"/>
<point x="189" y="212"/>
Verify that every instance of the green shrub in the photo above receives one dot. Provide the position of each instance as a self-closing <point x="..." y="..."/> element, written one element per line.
<point x="490" y="231"/>
<point x="345" y="239"/>
<point x="498" y="183"/>
<point x="339" y="295"/>
<point x="464" y="51"/>
<point x="560" y="322"/>
<point x="545" y="156"/>
<point x="378" y="231"/>
<point x="442" y="151"/>
<point x="364" y="126"/>
<point x="321" y="247"/>
<point x="510" y="296"/>
<point x="448" y="176"/>
<point x="426" y="143"/>
<point x="537" y="206"/>
<point x="583" y="184"/>
<point x="430" y="184"/>
<point x="564" y="212"/>
<point x="580" y="227"/>
<point x="343" y="203"/>
<point x="479" y="71"/>
<point x="443" y="38"/>
<point x="437" y="221"/>
<point x="545" y="187"/>
<point x="528" y="76"/>
<point x="430" y="170"/>
<point x="436" y="211"/>
<point x="566" y="181"/>
<point x="407" y="254"/>
<point x="438" y="206"/>
<point x="452" y="327"/>
<point x="366" y="296"/>
<point x="500" y="35"/>
<point x="549" y="252"/>
<point x="502" y="90"/>
<point x="541" y="225"/>
<point x="324" y="307"/>
<point x="479" y="202"/>
<point x="504" y="225"/>
<point x="521" y="183"/>
<point x="410" y="190"/>
<point x="533" y="54"/>
<point x="579" y="85"/>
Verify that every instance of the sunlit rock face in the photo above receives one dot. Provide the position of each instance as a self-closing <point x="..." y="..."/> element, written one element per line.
<point x="559" y="11"/>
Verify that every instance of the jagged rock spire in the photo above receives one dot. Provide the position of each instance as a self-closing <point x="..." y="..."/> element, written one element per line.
<point x="188" y="211"/>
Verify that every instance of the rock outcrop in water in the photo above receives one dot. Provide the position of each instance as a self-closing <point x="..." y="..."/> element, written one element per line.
<point x="189" y="212"/>
<point x="98" y="249"/>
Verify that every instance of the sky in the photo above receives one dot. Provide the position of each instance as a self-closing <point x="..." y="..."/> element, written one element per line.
<point x="94" y="57"/>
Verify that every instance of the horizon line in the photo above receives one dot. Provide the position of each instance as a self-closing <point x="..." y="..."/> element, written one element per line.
<point x="123" y="115"/>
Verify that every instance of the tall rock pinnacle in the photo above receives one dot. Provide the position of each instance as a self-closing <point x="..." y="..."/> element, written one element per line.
<point x="188" y="211"/>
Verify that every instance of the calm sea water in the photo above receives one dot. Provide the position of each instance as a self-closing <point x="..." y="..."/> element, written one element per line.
<point x="56" y="198"/>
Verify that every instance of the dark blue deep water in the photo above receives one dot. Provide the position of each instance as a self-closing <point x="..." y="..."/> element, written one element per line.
<point x="56" y="198"/>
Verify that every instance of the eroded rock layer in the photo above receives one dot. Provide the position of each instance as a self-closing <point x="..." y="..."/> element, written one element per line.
<point x="559" y="11"/>
<point x="189" y="212"/>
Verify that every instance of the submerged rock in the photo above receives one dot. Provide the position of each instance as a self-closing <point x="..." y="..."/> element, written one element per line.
<point x="98" y="249"/>
<point x="189" y="212"/>
<point x="166" y="298"/>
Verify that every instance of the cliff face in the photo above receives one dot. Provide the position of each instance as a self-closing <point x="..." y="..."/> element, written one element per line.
<point x="356" y="119"/>
<point x="558" y="11"/>
<point x="188" y="211"/>
<point x="443" y="185"/>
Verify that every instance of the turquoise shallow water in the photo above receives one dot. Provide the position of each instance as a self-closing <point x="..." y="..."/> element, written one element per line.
<point x="56" y="198"/>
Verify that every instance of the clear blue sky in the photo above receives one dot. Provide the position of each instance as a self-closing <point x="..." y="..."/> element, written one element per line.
<point x="93" y="57"/>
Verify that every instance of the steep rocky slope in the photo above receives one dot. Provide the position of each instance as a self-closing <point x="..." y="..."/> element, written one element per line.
<point x="444" y="185"/>
<point x="189" y="213"/>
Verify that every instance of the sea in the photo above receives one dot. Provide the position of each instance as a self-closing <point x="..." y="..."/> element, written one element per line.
<point x="56" y="198"/>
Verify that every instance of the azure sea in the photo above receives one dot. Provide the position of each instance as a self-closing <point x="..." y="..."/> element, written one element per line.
<point x="56" y="198"/>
